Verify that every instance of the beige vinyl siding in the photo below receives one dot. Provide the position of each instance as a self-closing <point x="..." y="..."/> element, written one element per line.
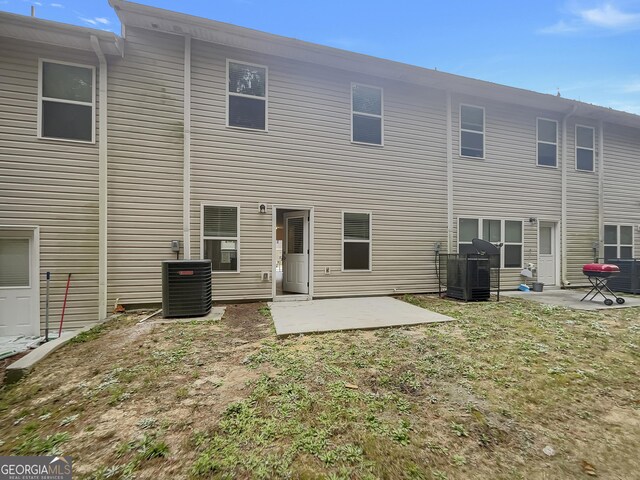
<point x="307" y="159"/>
<point x="622" y="178"/>
<point x="145" y="164"/>
<point x="49" y="183"/>
<point x="582" y="206"/>
<point x="507" y="183"/>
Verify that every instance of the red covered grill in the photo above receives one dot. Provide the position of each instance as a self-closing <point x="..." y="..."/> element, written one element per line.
<point x="598" y="275"/>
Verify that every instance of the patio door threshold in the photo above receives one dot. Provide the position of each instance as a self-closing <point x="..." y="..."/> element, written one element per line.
<point x="291" y="298"/>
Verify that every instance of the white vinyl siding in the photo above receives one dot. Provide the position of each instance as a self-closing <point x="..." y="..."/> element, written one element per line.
<point x="507" y="232"/>
<point x="547" y="145"/>
<point x="220" y="232"/>
<point x="66" y="101"/>
<point x="618" y="241"/>
<point x="585" y="148"/>
<point x="472" y="126"/>
<point x="247" y="95"/>
<point x="367" y="107"/>
<point x="356" y="241"/>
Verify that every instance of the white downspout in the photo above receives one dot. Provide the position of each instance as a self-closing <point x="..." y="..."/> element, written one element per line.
<point x="563" y="200"/>
<point x="601" y="189"/>
<point x="102" y="180"/>
<point x="449" y="177"/>
<point x="186" y="174"/>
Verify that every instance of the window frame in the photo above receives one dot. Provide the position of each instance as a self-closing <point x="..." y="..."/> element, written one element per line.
<point x="593" y="149"/>
<point x="538" y="141"/>
<point x="370" y="241"/>
<point x="484" y="131"/>
<point x="236" y="238"/>
<point x="618" y="245"/>
<point x="502" y="221"/>
<point x="41" y="99"/>
<point x="381" y="116"/>
<point x="242" y="95"/>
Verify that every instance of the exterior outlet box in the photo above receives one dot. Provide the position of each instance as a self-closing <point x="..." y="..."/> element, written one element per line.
<point x="175" y="245"/>
<point x="327" y="270"/>
<point x="266" y="276"/>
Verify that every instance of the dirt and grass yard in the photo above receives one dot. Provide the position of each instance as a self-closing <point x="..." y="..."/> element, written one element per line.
<point x="509" y="390"/>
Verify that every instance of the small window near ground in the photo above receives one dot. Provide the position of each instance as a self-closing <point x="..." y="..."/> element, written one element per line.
<point x="471" y="131"/>
<point x="356" y="241"/>
<point x="220" y="237"/>
<point x="366" y="113"/>
<point x="67" y="101"/>
<point x="618" y="241"/>
<point x="508" y="232"/>
<point x="247" y="91"/>
<point x="585" y="151"/>
<point x="547" y="143"/>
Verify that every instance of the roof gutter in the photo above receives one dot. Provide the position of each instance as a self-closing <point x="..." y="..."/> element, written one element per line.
<point x="563" y="200"/>
<point x="102" y="179"/>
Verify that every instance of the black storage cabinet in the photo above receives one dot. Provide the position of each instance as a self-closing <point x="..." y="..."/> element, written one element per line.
<point x="628" y="280"/>
<point x="186" y="288"/>
<point x="469" y="277"/>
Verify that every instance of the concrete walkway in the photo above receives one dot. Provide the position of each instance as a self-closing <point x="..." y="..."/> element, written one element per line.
<point x="347" y="314"/>
<point x="570" y="298"/>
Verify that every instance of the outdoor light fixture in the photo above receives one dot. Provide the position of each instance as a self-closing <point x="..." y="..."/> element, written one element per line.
<point x="532" y="220"/>
<point x="262" y="208"/>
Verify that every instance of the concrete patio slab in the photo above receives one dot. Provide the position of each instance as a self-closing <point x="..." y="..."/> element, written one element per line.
<point x="570" y="298"/>
<point x="214" y="315"/>
<point x="347" y="314"/>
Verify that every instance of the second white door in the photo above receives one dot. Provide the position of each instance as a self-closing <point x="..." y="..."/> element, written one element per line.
<point x="547" y="253"/>
<point x="295" y="257"/>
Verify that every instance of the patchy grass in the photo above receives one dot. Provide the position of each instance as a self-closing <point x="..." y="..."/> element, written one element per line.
<point x="477" y="398"/>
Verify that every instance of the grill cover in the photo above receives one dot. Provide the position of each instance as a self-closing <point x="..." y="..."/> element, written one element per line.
<point x="599" y="268"/>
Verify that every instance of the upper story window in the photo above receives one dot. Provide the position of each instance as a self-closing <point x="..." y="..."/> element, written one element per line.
<point x="471" y="131"/>
<point x="247" y="96"/>
<point x="356" y="241"/>
<point x="618" y="241"/>
<point x="221" y="237"/>
<point x="585" y="148"/>
<point x="547" y="143"/>
<point x="366" y="114"/>
<point x="66" y="101"/>
<point x="508" y="232"/>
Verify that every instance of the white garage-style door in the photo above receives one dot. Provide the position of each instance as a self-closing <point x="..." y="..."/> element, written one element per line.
<point x="19" y="289"/>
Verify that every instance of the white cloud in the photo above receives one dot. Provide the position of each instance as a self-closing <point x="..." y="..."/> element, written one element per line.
<point x="632" y="87"/>
<point x="39" y="4"/>
<point x="96" y="21"/>
<point x="56" y="5"/>
<point x="605" y="17"/>
<point x="608" y="16"/>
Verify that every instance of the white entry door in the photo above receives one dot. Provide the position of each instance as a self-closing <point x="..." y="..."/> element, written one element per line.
<point x="295" y="257"/>
<point x="547" y="260"/>
<point x="19" y="303"/>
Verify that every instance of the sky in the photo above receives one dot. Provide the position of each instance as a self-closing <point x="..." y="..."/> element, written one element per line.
<point x="588" y="50"/>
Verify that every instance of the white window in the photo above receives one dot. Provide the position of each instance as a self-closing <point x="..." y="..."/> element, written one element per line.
<point x="508" y="232"/>
<point x="66" y="101"/>
<point x="366" y="114"/>
<point x="356" y="241"/>
<point x="246" y="96"/>
<point x="547" y="149"/>
<point x="220" y="227"/>
<point x="585" y="140"/>
<point x="471" y="131"/>
<point x="618" y="241"/>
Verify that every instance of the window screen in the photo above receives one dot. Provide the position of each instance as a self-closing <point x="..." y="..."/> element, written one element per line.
<point x="356" y="241"/>
<point x="471" y="131"/>
<point x="618" y="241"/>
<point x="295" y="235"/>
<point x="67" y="104"/>
<point x="585" y="148"/>
<point x="547" y="143"/>
<point x="366" y="108"/>
<point x="247" y="90"/>
<point x="220" y="237"/>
